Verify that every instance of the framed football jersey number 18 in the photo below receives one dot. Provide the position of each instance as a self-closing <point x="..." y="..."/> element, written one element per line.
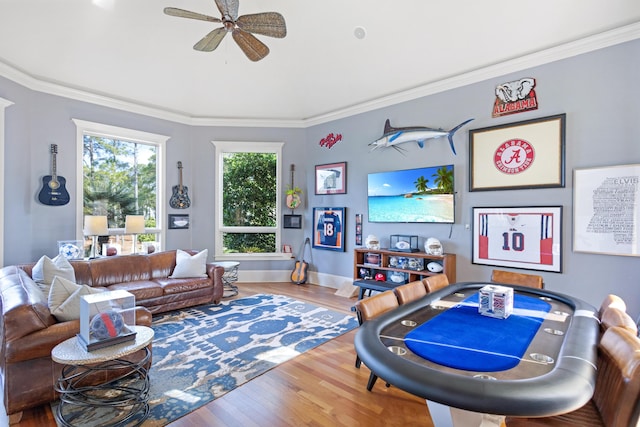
<point x="329" y="228"/>
<point x="520" y="237"/>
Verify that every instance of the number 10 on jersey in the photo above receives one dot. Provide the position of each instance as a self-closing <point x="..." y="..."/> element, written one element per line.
<point x="520" y="237"/>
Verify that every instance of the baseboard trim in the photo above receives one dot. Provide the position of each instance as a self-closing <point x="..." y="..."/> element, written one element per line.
<point x="321" y="279"/>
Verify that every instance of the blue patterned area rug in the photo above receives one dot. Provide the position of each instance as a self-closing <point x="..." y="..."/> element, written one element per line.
<point x="203" y="352"/>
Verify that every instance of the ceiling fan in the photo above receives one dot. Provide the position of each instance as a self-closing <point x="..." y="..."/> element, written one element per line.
<point x="241" y="28"/>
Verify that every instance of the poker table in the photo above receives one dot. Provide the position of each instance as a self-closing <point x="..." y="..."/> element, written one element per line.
<point x="539" y="361"/>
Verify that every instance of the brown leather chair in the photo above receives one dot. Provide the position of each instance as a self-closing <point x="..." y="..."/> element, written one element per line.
<point x="510" y="278"/>
<point x="616" y="399"/>
<point x="612" y="300"/>
<point x="433" y="283"/>
<point x="410" y="292"/>
<point x="371" y="307"/>
<point x="612" y="316"/>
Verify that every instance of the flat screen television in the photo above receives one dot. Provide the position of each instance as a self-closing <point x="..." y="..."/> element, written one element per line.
<point x="423" y="195"/>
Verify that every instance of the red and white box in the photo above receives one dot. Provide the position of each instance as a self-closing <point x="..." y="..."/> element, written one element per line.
<point x="496" y="301"/>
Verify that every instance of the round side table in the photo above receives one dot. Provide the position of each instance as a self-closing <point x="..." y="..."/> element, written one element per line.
<point x="127" y="392"/>
<point x="229" y="278"/>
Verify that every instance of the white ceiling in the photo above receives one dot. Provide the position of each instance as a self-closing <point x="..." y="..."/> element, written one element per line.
<point x="128" y="53"/>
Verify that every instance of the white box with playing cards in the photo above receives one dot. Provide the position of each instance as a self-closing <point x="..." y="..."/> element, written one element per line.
<point x="496" y="301"/>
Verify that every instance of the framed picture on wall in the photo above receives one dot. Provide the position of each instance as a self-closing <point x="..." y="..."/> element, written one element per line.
<point x="331" y="178"/>
<point x="329" y="228"/>
<point x="527" y="154"/>
<point x="606" y="219"/>
<point x="518" y="237"/>
<point x="178" y="221"/>
<point x="292" y="221"/>
<point x="358" y="229"/>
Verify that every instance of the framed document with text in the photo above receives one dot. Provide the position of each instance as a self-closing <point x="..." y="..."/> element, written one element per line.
<point x="606" y="217"/>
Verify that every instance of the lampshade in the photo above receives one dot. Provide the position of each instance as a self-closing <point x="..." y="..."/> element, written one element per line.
<point x="95" y="225"/>
<point x="134" y="224"/>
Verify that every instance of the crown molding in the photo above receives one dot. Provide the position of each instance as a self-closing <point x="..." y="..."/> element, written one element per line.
<point x="567" y="50"/>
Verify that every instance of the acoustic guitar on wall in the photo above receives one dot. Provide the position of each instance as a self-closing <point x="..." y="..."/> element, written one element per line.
<point x="180" y="197"/>
<point x="54" y="192"/>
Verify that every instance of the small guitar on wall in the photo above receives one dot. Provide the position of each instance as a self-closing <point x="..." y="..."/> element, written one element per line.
<point x="180" y="197"/>
<point x="53" y="192"/>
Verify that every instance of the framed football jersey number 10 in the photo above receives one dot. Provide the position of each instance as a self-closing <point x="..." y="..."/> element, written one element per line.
<point x="519" y="237"/>
<point x="329" y="228"/>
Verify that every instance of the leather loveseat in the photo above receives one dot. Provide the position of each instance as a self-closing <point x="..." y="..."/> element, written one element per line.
<point x="28" y="330"/>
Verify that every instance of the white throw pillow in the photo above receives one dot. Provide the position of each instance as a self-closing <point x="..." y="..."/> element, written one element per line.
<point x="64" y="298"/>
<point x="190" y="266"/>
<point x="46" y="269"/>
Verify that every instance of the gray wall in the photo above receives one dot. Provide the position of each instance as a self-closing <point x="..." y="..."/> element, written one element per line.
<point x="597" y="91"/>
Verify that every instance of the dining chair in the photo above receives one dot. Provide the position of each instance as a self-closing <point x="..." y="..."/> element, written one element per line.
<point x="616" y="398"/>
<point x="612" y="316"/>
<point x="510" y="278"/>
<point x="612" y="300"/>
<point x="369" y="308"/>
<point x="433" y="283"/>
<point x="410" y="292"/>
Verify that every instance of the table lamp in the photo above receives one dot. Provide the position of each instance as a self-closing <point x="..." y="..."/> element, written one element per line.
<point x="134" y="224"/>
<point x="94" y="226"/>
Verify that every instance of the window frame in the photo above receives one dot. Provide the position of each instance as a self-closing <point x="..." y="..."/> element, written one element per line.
<point x="222" y="147"/>
<point x="4" y="103"/>
<point x="129" y="135"/>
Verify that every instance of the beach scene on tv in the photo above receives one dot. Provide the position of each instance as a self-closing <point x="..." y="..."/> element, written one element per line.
<point x="412" y="195"/>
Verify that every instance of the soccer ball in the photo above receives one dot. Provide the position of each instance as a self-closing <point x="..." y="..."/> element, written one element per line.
<point x="107" y="324"/>
<point x="69" y="251"/>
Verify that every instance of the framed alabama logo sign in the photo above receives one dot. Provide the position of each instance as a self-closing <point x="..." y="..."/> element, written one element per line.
<point x="519" y="237"/>
<point x="528" y="154"/>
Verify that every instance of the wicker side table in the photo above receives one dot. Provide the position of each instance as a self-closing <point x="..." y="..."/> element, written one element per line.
<point x="127" y="394"/>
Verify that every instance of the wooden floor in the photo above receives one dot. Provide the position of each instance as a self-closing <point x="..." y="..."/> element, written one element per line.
<point x="321" y="387"/>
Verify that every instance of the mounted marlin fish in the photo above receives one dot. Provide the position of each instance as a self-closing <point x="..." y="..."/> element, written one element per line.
<point x="394" y="136"/>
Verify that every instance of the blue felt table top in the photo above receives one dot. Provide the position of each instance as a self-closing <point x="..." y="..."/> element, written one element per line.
<point x="462" y="338"/>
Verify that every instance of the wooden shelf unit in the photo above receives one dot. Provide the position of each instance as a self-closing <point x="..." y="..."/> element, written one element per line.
<point x="448" y="262"/>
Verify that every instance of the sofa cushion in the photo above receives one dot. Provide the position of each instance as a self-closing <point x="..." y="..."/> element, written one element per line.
<point x="108" y="271"/>
<point x="141" y="289"/>
<point x="64" y="298"/>
<point x="188" y="266"/>
<point x="46" y="269"/>
<point x="162" y="263"/>
<point x="23" y="305"/>
<point x="176" y="286"/>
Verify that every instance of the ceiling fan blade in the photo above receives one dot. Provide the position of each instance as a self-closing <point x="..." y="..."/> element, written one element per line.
<point x="181" y="13"/>
<point x="211" y="41"/>
<point x="251" y="46"/>
<point x="228" y="8"/>
<point x="268" y="24"/>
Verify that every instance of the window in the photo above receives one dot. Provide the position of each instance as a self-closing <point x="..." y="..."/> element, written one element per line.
<point x="121" y="174"/>
<point x="247" y="195"/>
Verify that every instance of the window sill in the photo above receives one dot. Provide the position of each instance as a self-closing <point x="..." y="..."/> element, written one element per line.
<point x="255" y="257"/>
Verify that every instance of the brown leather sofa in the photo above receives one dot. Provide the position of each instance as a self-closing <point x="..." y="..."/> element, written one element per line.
<point x="28" y="330"/>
